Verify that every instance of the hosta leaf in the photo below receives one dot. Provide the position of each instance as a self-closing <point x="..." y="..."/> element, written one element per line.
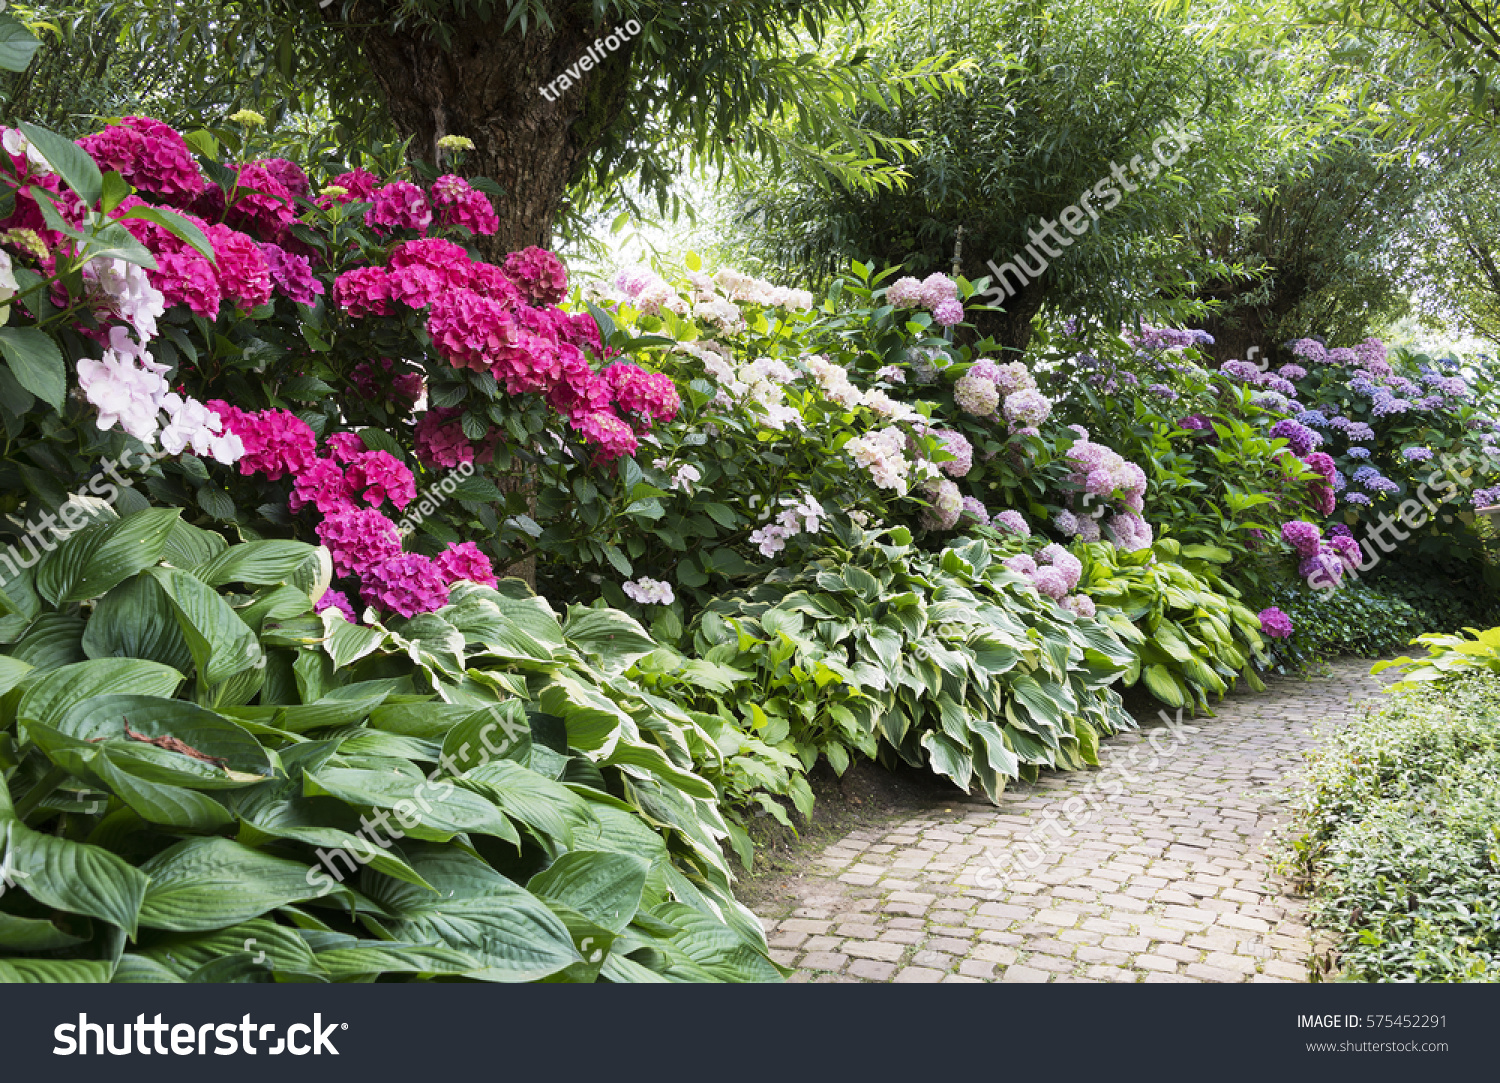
<point x="260" y="563"/>
<point x="74" y="876"/>
<point x="605" y="888"/>
<point x="429" y="810"/>
<point x="615" y="638"/>
<point x="136" y="620"/>
<point x="221" y="643"/>
<point x="102" y="556"/>
<point x="55" y="692"/>
<point x="205" y="884"/>
<point x="54" y="971"/>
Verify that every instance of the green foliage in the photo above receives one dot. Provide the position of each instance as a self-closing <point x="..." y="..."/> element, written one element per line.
<point x="1444" y="603"/>
<point x="1447" y="656"/>
<point x="948" y="659"/>
<point x="1366" y="620"/>
<point x="196" y="769"/>
<point x="1398" y="832"/>
<point x="1190" y="634"/>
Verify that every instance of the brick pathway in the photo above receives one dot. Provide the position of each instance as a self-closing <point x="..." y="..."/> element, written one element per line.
<point x="1160" y="878"/>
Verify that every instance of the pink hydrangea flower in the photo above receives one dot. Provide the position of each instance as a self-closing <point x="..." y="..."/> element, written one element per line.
<point x="336" y="599"/>
<point x="937" y="289"/>
<point x="1051" y="582"/>
<point x="152" y="157"/>
<point x="580" y="389"/>
<point x="1021" y="564"/>
<point x="323" y="485"/>
<point x="380" y="474"/>
<point x="399" y="205"/>
<point x="276" y="442"/>
<point x="344" y="446"/>
<point x="439" y="439"/>
<point x="470" y="331"/>
<point x="613" y="437"/>
<point x="459" y="203"/>
<point x="358" y="539"/>
<point x="359" y="186"/>
<point x="1301" y="536"/>
<point x="1080" y="605"/>
<point x="262" y="204"/>
<point x="538" y="273"/>
<point x="465" y="561"/>
<point x="905" y="293"/>
<point x="489" y="281"/>
<point x="288" y="174"/>
<point x="244" y="276"/>
<point x="648" y="395"/>
<point x="417" y="286"/>
<point x="364" y="291"/>
<point x="449" y="260"/>
<point x="186" y="278"/>
<point x="408" y="584"/>
<point x="1275" y="623"/>
<point x="948" y="314"/>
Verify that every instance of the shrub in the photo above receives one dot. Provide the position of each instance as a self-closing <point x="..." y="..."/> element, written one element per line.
<point x="193" y="759"/>
<point x="1398" y="833"/>
<point x="1367" y="620"/>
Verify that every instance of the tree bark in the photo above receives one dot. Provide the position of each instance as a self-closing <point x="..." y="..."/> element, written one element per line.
<point x="488" y="87"/>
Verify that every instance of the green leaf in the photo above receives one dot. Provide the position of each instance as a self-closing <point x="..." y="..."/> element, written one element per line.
<point x="204" y="884"/>
<point x="104" y="719"/>
<point x="55" y="692"/>
<point x="71" y="161"/>
<point x="176" y="225"/>
<point x="74" y="876"/>
<point x="17" y="45"/>
<point x="136" y="620"/>
<point x="423" y="809"/>
<point x="101" y="557"/>
<point x="605" y="888"/>
<point x="54" y="971"/>
<point x="36" y="363"/>
<point x="33" y="934"/>
<point x="221" y="643"/>
<point x="258" y="563"/>
<point x="615" y="638"/>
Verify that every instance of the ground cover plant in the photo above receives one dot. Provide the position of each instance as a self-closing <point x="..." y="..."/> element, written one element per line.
<point x="1397" y="836"/>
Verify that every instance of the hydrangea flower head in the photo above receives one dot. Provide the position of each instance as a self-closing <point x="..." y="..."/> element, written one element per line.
<point x="1275" y="623"/>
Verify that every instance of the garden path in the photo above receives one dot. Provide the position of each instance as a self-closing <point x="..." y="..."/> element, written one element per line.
<point x="1165" y="882"/>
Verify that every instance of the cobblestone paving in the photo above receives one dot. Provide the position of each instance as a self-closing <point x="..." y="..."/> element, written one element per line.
<point x="1166" y="882"/>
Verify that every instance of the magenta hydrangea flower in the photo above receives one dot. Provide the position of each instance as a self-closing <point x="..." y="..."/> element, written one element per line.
<point x="288" y="174"/>
<point x="276" y="442"/>
<point x="447" y="259"/>
<point x="344" y="446"/>
<point x="399" y="205"/>
<point x="647" y="395"/>
<point x="439" y="438"/>
<point x="262" y="204"/>
<point x="1275" y="623"/>
<point x="243" y="273"/>
<point x="465" y="561"/>
<point x="364" y="291"/>
<point x="538" y="273"/>
<point x="336" y="599"/>
<point x="186" y="278"/>
<point x="358" y="539"/>
<point x="1299" y="437"/>
<point x="381" y="475"/>
<point x="458" y="203"/>
<point x="407" y="583"/>
<point x="358" y="184"/>
<point x="153" y="157"/>
<point x="292" y="275"/>
<point x="323" y="485"/>
<point x="1301" y="536"/>
<point x="470" y="331"/>
<point x="612" y="436"/>
<point x="416" y="286"/>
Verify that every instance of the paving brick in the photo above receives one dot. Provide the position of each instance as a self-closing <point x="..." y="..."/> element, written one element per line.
<point x="1168" y="882"/>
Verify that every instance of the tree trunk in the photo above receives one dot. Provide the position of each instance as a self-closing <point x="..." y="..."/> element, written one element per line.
<point x="1012" y="326"/>
<point x="488" y="87"/>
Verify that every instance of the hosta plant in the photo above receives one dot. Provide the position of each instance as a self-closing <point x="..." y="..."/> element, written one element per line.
<point x="202" y="779"/>
<point x="1191" y="636"/>
<point x="949" y="660"/>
